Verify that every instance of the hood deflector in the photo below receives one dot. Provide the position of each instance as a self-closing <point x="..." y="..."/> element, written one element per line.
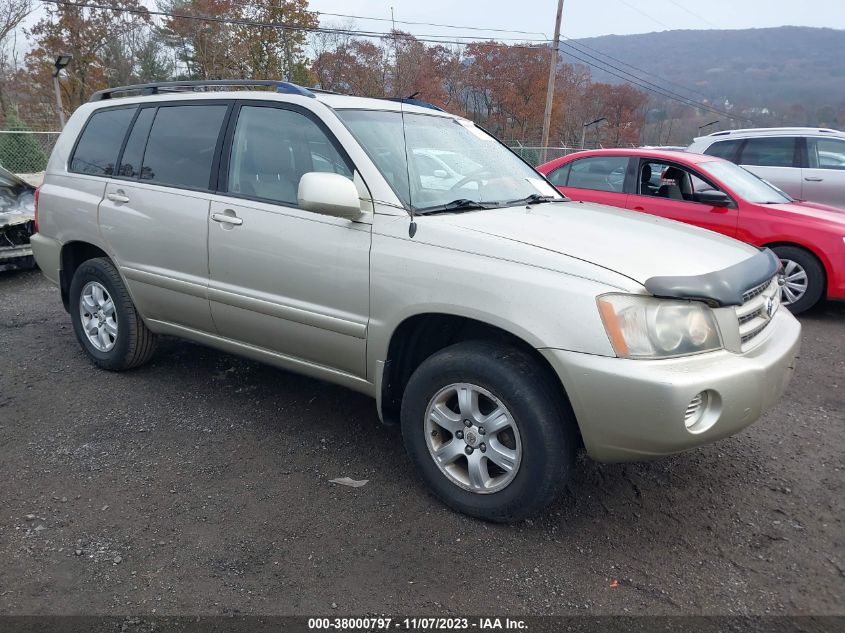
<point x="721" y="288"/>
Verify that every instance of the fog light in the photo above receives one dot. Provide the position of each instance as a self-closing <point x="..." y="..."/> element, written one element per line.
<point x="695" y="410"/>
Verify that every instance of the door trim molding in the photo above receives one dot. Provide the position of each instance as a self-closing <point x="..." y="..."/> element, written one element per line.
<point x="289" y="313"/>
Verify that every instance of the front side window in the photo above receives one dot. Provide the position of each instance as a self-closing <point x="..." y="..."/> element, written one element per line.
<point x="599" y="173"/>
<point x="181" y="145"/>
<point x="724" y="149"/>
<point x="271" y="150"/>
<point x="435" y="162"/>
<point x="826" y="153"/>
<point x="775" y="151"/>
<point x="97" y="149"/>
<point x="667" y="180"/>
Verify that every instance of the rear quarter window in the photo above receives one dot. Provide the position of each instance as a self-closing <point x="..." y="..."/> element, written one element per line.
<point x="98" y="146"/>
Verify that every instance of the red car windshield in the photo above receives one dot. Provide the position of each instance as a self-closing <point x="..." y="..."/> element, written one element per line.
<point x="743" y="183"/>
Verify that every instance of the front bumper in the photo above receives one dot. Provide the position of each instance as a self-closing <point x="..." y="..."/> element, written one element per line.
<point x="631" y="410"/>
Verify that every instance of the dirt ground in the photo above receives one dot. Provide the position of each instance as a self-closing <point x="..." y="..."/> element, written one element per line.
<point x="199" y="484"/>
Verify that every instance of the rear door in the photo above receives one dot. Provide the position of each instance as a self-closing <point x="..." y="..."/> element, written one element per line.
<point x="824" y="176"/>
<point x="776" y="159"/>
<point x="155" y="212"/>
<point x="669" y="190"/>
<point x="594" y="179"/>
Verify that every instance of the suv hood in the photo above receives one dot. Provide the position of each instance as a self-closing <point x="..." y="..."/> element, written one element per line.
<point x="636" y="245"/>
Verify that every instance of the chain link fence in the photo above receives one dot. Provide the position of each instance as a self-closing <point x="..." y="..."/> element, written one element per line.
<point x="25" y="151"/>
<point x="537" y="154"/>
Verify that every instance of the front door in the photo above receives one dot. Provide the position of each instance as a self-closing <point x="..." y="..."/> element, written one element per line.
<point x="669" y="190"/>
<point x="282" y="278"/>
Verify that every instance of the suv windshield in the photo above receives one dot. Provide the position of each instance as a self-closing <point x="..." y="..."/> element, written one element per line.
<point x="450" y="164"/>
<point x="743" y="183"/>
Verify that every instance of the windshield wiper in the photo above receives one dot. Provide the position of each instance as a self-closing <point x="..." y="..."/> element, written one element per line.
<point x="461" y="204"/>
<point x="536" y="198"/>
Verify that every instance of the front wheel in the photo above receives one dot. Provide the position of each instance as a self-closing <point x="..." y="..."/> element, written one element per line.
<point x="803" y="278"/>
<point x="488" y="431"/>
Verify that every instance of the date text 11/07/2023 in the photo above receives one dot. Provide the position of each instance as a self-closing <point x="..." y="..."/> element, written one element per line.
<point x="416" y="624"/>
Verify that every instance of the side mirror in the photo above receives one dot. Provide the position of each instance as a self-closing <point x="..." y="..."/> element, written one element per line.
<point x="441" y="173"/>
<point x="329" y="194"/>
<point x="713" y="197"/>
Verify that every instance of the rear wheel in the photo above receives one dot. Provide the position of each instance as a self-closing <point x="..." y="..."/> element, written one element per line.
<point x="105" y="321"/>
<point x="488" y="431"/>
<point x="803" y="278"/>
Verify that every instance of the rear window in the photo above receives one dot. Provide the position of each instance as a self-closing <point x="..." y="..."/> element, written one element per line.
<point x="97" y="149"/>
<point x="724" y="149"/>
<point x="777" y="151"/>
<point x="600" y="173"/>
<point x="181" y="145"/>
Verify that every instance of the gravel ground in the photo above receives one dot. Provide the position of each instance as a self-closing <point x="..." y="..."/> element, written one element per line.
<point x="199" y="484"/>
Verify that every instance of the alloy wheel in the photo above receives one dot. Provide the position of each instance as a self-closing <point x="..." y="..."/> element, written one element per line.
<point x="99" y="319"/>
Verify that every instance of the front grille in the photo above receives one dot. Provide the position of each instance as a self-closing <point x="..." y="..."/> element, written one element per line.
<point x="755" y="313"/>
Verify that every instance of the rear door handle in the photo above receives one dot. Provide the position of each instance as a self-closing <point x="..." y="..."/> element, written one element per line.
<point x="225" y="218"/>
<point x="118" y="196"/>
<point x="813" y="179"/>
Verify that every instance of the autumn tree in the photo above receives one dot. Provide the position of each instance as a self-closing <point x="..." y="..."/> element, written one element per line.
<point x="93" y="36"/>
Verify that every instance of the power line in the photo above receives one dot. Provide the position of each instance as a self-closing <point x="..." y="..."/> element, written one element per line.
<point x="624" y="76"/>
<point x="654" y="88"/>
<point x="580" y="44"/>
<point x="693" y="13"/>
<point x="641" y="12"/>
<point x="428" y="38"/>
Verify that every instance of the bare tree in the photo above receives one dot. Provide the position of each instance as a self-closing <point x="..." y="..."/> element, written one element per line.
<point x="12" y="13"/>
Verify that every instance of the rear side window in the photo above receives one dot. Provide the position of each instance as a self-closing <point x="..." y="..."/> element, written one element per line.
<point x="599" y="173"/>
<point x="777" y="151"/>
<point x="181" y="145"/>
<point x="724" y="149"/>
<point x="97" y="149"/>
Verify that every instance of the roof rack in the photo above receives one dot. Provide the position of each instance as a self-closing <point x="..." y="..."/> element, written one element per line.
<point x="416" y="102"/>
<point x="181" y="86"/>
<point x="766" y="130"/>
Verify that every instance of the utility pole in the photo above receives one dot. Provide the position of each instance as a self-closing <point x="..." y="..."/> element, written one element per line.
<point x="550" y="89"/>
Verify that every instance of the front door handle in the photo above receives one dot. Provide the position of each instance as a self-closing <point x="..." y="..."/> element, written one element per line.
<point x="117" y="196"/>
<point x="813" y="179"/>
<point x="226" y="218"/>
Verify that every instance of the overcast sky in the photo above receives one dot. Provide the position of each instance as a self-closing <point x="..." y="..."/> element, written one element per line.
<point x="587" y="18"/>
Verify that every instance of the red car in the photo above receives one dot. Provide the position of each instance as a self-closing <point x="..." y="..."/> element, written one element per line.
<point x="718" y="195"/>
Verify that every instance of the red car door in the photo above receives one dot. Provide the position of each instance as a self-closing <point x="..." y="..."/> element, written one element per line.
<point x="594" y="179"/>
<point x="673" y="191"/>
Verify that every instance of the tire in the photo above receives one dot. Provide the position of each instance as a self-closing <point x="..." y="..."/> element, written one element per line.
<point x="511" y="383"/>
<point x="127" y="342"/>
<point x="797" y="264"/>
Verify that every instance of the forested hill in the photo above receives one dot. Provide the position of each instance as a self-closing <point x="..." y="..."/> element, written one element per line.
<point x="774" y="67"/>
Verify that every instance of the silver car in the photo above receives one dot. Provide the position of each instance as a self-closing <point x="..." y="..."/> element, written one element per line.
<point x="806" y="163"/>
<point x="502" y="325"/>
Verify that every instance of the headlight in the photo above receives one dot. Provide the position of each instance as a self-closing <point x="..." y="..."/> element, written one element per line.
<point x="645" y="327"/>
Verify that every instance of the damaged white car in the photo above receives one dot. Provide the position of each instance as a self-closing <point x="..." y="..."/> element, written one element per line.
<point x="17" y="221"/>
